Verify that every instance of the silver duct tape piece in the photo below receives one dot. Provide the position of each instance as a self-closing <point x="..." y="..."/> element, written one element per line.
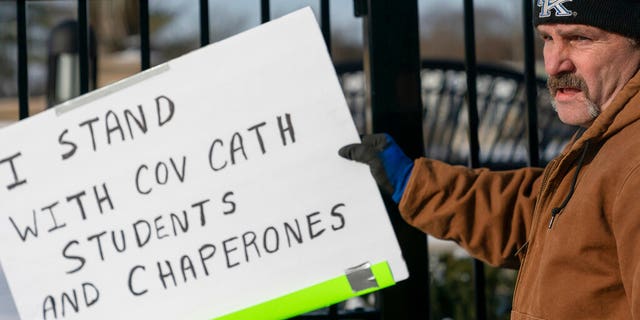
<point x="102" y="92"/>
<point x="361" y="277"/>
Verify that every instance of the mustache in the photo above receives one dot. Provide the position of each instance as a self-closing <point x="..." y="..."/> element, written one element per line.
<point x="567" y="80"/>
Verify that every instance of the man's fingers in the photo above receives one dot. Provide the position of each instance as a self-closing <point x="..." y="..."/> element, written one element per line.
<point x="376" y="141"/>
<point x="367" y="150"/>
<point x="358" y="152"/>
<point x="371" y="151"/>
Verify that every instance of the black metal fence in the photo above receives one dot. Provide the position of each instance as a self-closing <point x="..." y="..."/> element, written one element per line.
<point x="442" y="109"/>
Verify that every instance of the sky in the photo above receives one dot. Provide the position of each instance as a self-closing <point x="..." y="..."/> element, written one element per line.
<point x="342" y="18"/>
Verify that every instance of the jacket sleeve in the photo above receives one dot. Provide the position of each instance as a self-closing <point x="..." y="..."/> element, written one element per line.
<point x="625" y="222"/>
<point x="488" y="213"/>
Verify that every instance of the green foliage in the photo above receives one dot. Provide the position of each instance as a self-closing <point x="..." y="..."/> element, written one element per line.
<point x="451" y="289"/>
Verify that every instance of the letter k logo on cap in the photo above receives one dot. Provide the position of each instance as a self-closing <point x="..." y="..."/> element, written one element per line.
<point x="557" y="5"/>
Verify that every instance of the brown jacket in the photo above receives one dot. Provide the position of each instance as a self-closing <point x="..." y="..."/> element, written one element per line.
<point x="586" y="265"/>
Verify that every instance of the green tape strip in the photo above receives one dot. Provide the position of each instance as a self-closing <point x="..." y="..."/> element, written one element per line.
<point x="312" y="298"/>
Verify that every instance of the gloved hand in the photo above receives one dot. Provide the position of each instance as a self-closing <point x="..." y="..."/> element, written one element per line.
<point x="390" y="167"/>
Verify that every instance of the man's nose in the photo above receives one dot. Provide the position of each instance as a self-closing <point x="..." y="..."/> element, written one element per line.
<point x="557" y="60"/>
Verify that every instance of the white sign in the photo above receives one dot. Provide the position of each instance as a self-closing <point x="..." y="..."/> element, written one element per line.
<point x="200" y="187"/>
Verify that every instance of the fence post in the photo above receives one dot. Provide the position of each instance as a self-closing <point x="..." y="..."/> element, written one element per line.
<point x="204" y="23"/>
<point x="145" y="42"/>
<point x="265" y="11"/>
<point x="23" y="76"/>
<point x="530" y="83"/>
<point x="471" y="68"/>
<point x="325" y="23"/>
<point x="83" y="44"/>
<point x="392" y="68"/>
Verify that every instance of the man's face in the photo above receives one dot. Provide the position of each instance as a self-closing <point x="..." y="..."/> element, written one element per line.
<point x="587" y="67"/>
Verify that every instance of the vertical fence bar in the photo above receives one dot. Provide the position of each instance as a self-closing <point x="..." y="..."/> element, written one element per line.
<point x="204" y="22"/>
<point x="325" y="23"/>
<point x="474" y="144"/>
<point x="23" y="75"/>
<point x="359" y="8"/>
<point x="265" y="11"/>
<point x="333" y="312"/>
<point x="145" y="48"/>
<point x="393" y="86"/>
<point x="530" y="84"/>
<point x="471" y="67"/>
<point x="83" y="45"/>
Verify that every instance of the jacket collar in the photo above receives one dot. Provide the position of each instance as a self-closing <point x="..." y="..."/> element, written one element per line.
<point x="623" y="110"/>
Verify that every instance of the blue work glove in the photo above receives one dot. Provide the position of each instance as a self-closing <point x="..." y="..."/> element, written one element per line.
<point x="390" y="167"/>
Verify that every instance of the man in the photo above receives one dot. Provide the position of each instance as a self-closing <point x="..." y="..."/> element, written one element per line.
<point x="572" y="229"/>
